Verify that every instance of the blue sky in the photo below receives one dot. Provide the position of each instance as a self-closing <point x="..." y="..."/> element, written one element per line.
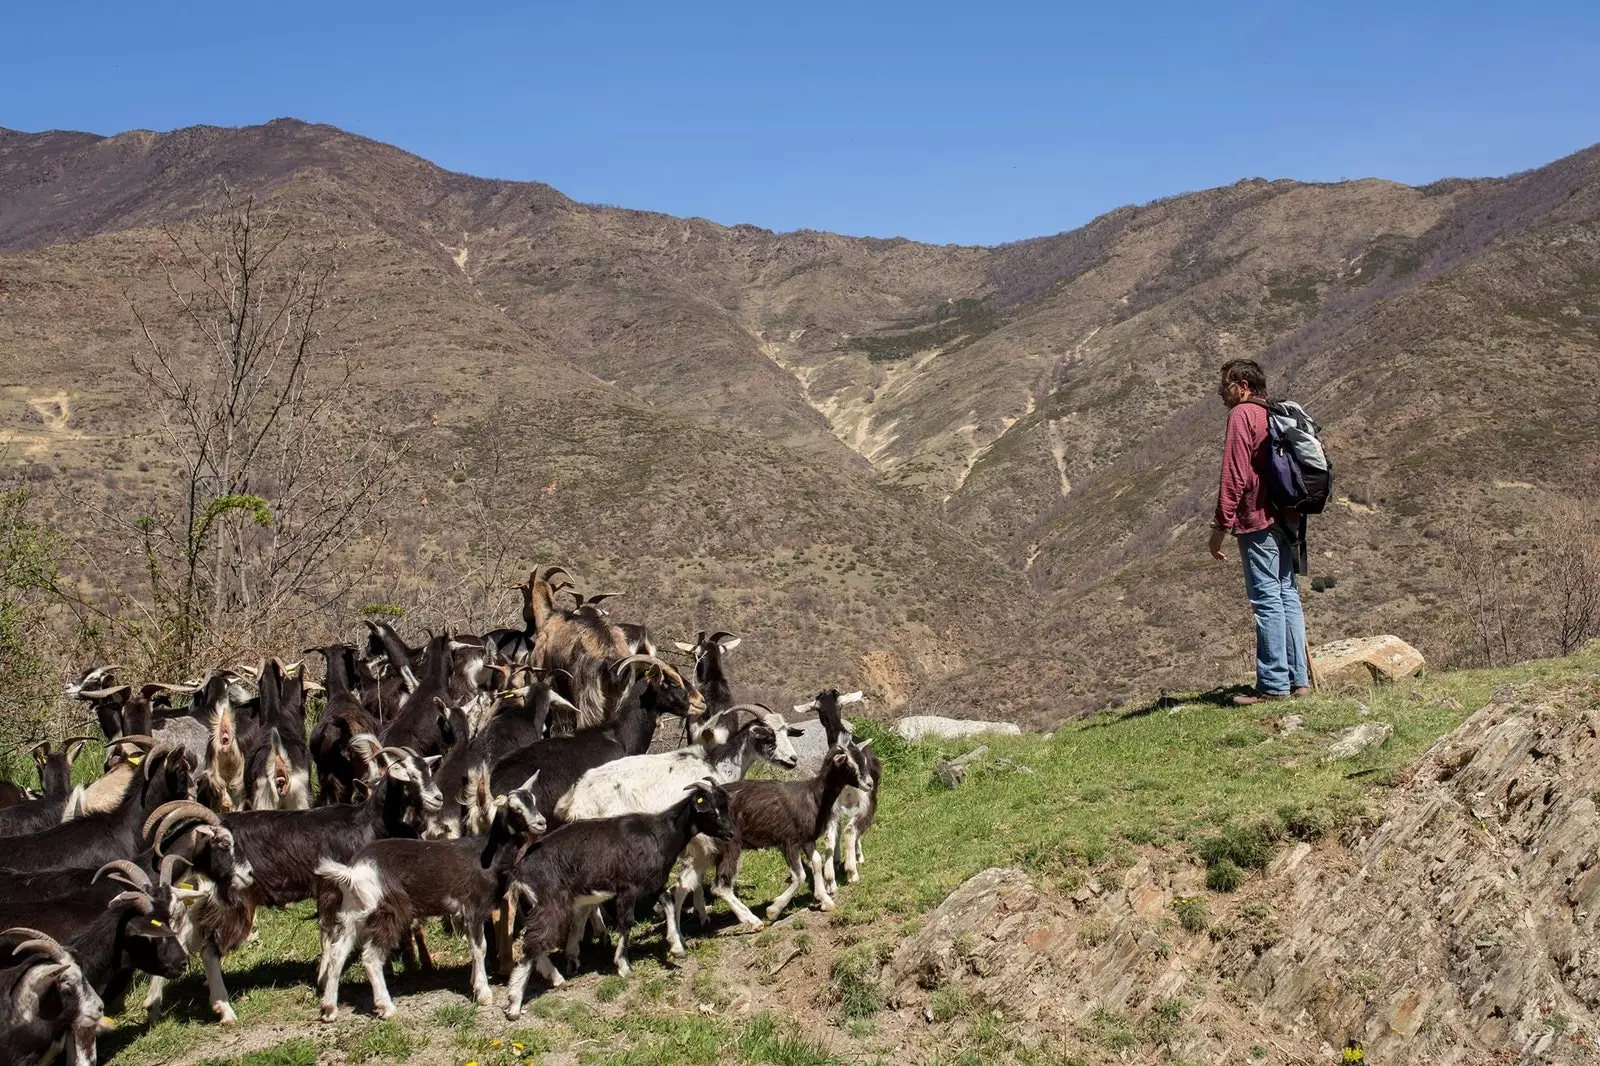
<point x="969" y="122"/>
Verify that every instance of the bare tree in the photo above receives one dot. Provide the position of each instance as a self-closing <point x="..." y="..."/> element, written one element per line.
<point x="1496" y="604"/>
<point x="278" y="509"/>
<point x="1572" y="561"/>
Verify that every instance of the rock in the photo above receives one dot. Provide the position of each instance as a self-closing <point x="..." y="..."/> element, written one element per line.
<point x="1291" y="723"/>
<point x="952" y="772"/>
<point x="810" y="746"/>
<point x="1357" y="739"/>
<point x="1364" y="661"/>
<point x="918" y="726"/>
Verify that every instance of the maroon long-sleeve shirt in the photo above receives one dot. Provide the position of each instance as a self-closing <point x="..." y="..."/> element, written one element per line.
<point x="1241" y="497"/>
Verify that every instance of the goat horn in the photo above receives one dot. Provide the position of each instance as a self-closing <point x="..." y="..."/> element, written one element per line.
<point x="101" y="693"/>
<point x="126" y="871"/>
<point x="35" y="751"/>
<point x="74" y="746"/>
<point x="43" y="943"/>
<point x="138" y="740"/>
<point x="140" y="900"/>
<point x="168" y="862"/>
<point x="805" y="708"/>
<point x="630" y="660"/>
<point x="549" y="575"/>
<point x="189" y="808"/>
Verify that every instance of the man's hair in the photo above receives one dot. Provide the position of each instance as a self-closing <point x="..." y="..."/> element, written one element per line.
<point x="1248" y="371"/>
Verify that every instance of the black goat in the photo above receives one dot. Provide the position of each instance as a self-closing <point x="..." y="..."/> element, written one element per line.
<point x="120" y="923"/>
<point x="277" y="773"/>
<point x="94" y="839"/>
<point x="55" y="781"/>
<point x="561" y="761"/>
<point x="46" y="1001"/>
<point x="374" y="899"/>
<point x="344" y="717"/>
<point x="583" y="864"/>
<point x="788" y="815"/>
<point x="857" y="808"/>
<point x="283" y="849"/>
<point x="709" y="672"/>
<point x="516" y="720"/>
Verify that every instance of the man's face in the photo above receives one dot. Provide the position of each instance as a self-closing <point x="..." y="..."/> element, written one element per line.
<point x="1233" y="393"/>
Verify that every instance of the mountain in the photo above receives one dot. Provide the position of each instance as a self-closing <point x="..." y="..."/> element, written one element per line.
<point x="975" y="478"/>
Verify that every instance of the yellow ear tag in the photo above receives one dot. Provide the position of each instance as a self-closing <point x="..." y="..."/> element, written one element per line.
<point x="135" y="760"/>
<point x="156" y="922"/>
<point x="186" y="886"/>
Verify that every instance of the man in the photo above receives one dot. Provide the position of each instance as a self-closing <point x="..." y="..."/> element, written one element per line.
<point x="1264" y="545"/>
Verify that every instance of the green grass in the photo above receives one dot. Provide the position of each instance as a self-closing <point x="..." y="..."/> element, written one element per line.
<point x="1220" y="781"/>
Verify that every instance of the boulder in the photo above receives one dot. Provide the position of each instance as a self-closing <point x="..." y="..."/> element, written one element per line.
<point x="1365" y="661"/>
<point x="1357" y="739"/>
<point x="920" y="726"/>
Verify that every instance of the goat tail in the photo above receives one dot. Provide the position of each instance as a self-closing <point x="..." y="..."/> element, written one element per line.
<point x="478" y="799"/>
<point x="358" y="882"/>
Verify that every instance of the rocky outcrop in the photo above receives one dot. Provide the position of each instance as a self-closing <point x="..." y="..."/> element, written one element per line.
<point x="1459" y="929"/>
<point x="1357" y="740"/>
<point x="1365" y="661"/>
<point x="1462" y="930"/>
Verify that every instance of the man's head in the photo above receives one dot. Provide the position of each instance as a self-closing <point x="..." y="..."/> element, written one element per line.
<point x="1242" y="380"/>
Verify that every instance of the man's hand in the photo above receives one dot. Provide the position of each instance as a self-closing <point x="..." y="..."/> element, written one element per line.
<point x="1217" y="541"/>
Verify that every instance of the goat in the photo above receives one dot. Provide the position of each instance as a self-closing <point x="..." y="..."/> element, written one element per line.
<point x="12" y="794"/>
<point x="114" y="926"/>
<point x="343" y="718"/>
<point x="283" y="849"/>
<point x="55" y="780"/>
<point x="232" y="712"/>
<point x="121" y="713"/>
<point x="648" y="783"/>
<point x="585" y="645"/>
<point x="451" y="670"/>
<point x="583" y="864"/>
<point x="48" y="1004"/>
<point x="858" y="807"/>
<point x="374" y="899"/>
<point x="98" y="838"/>
<point x="277" y="771"/>
<point x="561" y="761"/>
<point x="709" y="672"/>
<point x="787" y="815"/>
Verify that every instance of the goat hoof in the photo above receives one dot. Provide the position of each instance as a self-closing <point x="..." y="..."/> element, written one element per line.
<point x="329" y="1013"/>
<point x="825" y="904"/>
<point x="752" y="925"/>
<point x="483" y="999"/>
<point x="678" y="951"/>
<point x="513" y="1013"/>
<point x="386" y="1011"/>
<point x="853" y="876"/>
<point x="225" y="1015"/>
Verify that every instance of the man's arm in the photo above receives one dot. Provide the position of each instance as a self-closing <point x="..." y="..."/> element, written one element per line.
<point x="1237" y="473"/>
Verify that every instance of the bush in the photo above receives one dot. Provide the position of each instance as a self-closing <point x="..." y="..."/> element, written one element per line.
<point x="1191" y="912"/>
<point x="853" y="982"/>
<point x="1224" y="876"/>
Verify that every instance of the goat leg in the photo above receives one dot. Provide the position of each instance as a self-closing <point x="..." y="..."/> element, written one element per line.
<point x="625" y="902"/>
<point x="829" y="846"/>
<point x="797" y="877"/>
<point x="851" y="845"/>
<point x="335" y="953"/>
<point x="372" y="959"/>
<point x="818" y="890"/>
<point x="211" y="959"/>
<point x="480" y="976"/>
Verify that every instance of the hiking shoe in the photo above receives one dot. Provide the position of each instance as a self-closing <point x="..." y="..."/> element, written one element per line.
<point x="1303" y="690"/>
<point x="1248" y="698"/>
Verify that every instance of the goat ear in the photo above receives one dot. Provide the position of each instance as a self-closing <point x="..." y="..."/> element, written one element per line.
<point x="687" y="649"/>
<point x="805" y="708"/>
<point x="432" y="762"/>
<point x="796" y="731"/>
<point x="529" y="783"/>
<point x="849" y="726"/>
<point x="852" y="697"/>
<point x="729" y="645"/>
<point x="866" y="743"/>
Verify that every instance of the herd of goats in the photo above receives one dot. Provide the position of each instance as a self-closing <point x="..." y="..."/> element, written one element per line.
<point x="505" y="783"/>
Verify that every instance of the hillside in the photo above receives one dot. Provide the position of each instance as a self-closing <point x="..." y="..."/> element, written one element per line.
<point x="1015" y="443"/>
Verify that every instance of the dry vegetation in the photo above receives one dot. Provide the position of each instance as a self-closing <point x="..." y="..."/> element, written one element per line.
<point x="887" y="464"/>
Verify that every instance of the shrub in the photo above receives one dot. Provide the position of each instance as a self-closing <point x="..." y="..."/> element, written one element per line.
<point x="1191" y="912"/>
<point x="1224" y="876"/>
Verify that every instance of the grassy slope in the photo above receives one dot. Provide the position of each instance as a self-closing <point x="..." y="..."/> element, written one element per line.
<point x="1177" y="777"/>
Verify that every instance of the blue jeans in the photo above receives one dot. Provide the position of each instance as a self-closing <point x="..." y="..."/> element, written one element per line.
<point x="1269" y="581"/>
